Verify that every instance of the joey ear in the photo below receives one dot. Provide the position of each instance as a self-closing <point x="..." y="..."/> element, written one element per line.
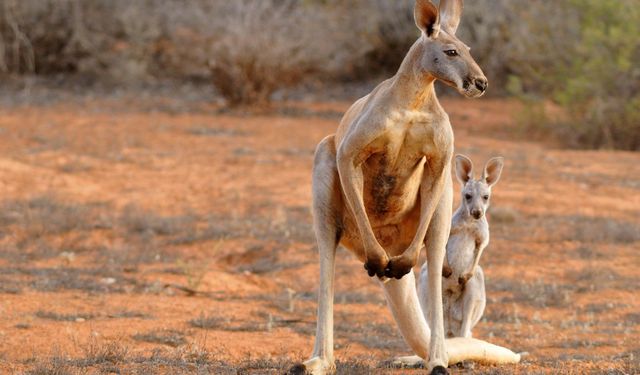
<point x="450" y="13"/>
<point x="464" y="169"/>
<point x="427" y="17"/>
<point x="493" y="170"/>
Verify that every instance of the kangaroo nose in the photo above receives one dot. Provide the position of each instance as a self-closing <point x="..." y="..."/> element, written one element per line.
<point x="481" y="83"/>
<point x="476" y="214"/>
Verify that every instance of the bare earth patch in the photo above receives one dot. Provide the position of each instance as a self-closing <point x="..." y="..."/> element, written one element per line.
<point x="149" y="241"/>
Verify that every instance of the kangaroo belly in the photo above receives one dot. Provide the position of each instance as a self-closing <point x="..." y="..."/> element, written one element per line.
<point x="392" y="202"/>
<point x="460" y="253"/>
<point x="394" y="238"/>
<point x="390" y="192"/>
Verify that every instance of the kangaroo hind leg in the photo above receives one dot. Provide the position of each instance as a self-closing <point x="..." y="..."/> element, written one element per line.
<point x="327" y="203"/>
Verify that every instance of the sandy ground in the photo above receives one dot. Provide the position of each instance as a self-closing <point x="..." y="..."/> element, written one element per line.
<point x="146" y="240"/>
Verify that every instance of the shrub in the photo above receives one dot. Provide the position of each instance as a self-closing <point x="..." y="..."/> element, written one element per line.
<point x="262" y="47"/>
<point x="389" y="31"/>
<point x="603" y="93"/>
<point x="583" y="56"/>
<point x="100" y="38"/>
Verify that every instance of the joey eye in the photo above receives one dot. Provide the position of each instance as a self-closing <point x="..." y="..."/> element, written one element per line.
<point x="467" y="197"/>
<point x="486" y="197"/>
<point x="451" y="52"/>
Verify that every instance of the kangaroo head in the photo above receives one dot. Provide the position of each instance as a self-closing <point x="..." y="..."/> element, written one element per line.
<point x="443" y="55"/>
<point x="476" y="193"/>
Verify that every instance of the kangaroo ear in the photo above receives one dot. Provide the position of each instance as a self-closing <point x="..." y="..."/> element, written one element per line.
<point x="450" y="13"/>
<point x="492" y="170"/>
<point x="464" y="169"/>
<point x="427" y="18"/>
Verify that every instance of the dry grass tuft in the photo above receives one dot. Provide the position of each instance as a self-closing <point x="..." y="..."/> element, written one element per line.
<point x="537" y="294"/>
<point x="97" y="353"/>
<point x="64" y="317"/>
<point x="503" y="215"/>
<point x="171" y="338"/>
<point x="53" y="366"/>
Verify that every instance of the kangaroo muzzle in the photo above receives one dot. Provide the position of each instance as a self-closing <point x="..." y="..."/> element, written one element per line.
<point x="481" y="84"/>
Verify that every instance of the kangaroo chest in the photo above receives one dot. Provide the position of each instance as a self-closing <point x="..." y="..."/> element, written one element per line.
<point x="460" y="252"/>
<point x="392" y="176"/>
<point x="464" y="240"/>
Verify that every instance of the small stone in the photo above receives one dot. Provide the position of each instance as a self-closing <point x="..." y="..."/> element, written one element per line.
<point x="108" y="280"/>
<point x="69" y="256"/>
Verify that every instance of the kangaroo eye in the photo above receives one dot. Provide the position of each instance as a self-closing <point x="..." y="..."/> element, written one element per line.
<point x="467" y="196"/>
<point x="451" y="52"/>
<point x="486" y="197"/>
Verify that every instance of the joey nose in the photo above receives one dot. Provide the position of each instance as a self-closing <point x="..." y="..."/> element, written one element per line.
<point x="481" y="84"/>
<point x="477" y="214"/>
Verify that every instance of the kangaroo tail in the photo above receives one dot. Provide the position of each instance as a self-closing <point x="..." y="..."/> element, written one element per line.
<point x="464" y="349"/>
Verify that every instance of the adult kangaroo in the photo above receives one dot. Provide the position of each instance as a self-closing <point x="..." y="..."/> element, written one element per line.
<point x="382" y="189"/>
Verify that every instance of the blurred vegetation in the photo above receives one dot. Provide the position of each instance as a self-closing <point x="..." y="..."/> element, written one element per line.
<point x="592" y="72"/>
<point x="580" y="55"/>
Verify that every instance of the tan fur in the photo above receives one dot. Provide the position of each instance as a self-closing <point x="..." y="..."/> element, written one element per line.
<point x="463" y="286"/>
<point x="382" y="184"/>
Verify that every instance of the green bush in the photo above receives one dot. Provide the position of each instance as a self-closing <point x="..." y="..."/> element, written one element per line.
<point x="589" y="66"/>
